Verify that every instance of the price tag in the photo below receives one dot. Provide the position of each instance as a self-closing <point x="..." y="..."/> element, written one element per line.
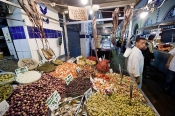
<point x="4" y="106"/>
<point x="21" y="70"/>
<point x="68" y="79"/>
<point x="88" y="93"/>
<point x="53" y="100"/>
<point x="110" y="70"/>
<point x="78" y="69"/>
<point x="100" y="59"/>
<point x="41" y="62"/>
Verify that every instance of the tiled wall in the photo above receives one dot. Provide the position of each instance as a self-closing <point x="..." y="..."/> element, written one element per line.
<point x="17" y="32"/>
<point x="49" y="33"/>
<point x="20" y="41"/>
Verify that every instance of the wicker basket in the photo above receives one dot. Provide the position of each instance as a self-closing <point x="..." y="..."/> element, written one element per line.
<point x="29" y="62"/>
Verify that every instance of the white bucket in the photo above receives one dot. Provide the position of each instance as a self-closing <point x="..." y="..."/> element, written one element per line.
<point x="1" y="55"/>
<point x="127" y="52"/>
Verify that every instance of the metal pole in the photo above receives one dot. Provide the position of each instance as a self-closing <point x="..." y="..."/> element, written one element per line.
<point x="65" y="32"/>
<point x="12" y="19"/>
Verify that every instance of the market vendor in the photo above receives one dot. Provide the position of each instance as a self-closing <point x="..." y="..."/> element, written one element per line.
<point x="170" y="81"/>
<point x="136" y="60"/>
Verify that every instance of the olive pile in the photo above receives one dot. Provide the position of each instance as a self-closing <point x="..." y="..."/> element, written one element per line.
<point x="85" y="72"/>
<point x="29" y="100"/>
<point x="5" y="91"/>
<point x="78" y="86"/>
<point x="116" y="105"/>
<point x="6" y="77"/>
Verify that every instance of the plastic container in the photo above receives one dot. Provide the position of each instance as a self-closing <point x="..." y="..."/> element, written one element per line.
<point x="1" y="55"/>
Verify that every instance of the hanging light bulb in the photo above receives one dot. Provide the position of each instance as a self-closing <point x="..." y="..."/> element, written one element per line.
<point x="143" y="14"/>
<point x="84" y="2"/>
<point x="90" y="11"/>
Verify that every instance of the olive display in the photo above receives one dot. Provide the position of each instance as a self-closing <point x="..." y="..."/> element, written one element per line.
<point x="5" y="91"/>
<point x="6" y="77"/>
<point x="116" y="105"/>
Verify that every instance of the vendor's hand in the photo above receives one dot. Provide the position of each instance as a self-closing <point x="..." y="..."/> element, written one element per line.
<point x="152" y="60"/>
<point x="167" y="65"/>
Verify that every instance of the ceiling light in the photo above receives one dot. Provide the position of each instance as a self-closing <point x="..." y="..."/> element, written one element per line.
<point x="84" y="2"/>
<point x="143" y="14"/>
<point x="91" y="11"/>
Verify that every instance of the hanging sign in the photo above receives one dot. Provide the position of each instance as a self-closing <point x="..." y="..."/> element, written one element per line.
<point x="53" y="100"/>
<point x="88" y="93"/>
<point x="77" y="13"/>
<point x="21" y="70"/>
<point x="4" y="106"/>
<point x="68" y="79"/>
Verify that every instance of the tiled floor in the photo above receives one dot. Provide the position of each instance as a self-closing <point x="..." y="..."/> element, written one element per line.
<point x="153" y="88"/>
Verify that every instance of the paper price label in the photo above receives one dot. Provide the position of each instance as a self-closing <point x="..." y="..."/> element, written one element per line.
<point x="21" y="70"/>
<point x="88" y="93"/>
<point x="41" y="62"/>
<point x="68" y="79"/>
<point x="53" y="100"/>
<point x="4" y="106"/>
<point x="110" y="70"/>
<point x="78" y="69"/>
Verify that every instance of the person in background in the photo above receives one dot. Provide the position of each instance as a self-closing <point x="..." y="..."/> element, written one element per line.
<point x="92" y="46"/>
<point x="123" y="46"/>
<point x="136" y="60"/>
<point x="146" y="55"/>
<point x="151" y="47"/>
<point x="119" y="43"/>
<point x="170" y="80"/>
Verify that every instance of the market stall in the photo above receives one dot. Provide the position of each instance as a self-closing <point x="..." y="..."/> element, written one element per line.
<point x="164" y="42"/>
<point x="75" y="87"/>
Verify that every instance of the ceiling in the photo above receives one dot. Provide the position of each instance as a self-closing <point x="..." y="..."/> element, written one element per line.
<point x="104" y="4"/>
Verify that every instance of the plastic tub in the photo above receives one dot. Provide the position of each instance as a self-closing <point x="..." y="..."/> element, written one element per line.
<point x="1" y="55"/>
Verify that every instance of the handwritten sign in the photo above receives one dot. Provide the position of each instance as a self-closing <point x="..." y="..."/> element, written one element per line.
<point x="53" y="100"/>
<point x="68" y="79"/>
<point x="21" y="70"/>
<point x="77" y="13"/>
<point x="88" y="93"/>
<point x="78" y="69"/>
<point x="4" y="106"/>
<point x="110" y="70"/>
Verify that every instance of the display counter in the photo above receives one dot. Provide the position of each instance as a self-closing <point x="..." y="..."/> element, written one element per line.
<point x="160" y="60"/>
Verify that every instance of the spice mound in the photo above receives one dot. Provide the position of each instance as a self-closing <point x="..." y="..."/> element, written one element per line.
<point x="78" y="86"/>
<point x="62" y="71"/>
<point x="47" y="67"/>
<point x="28" y="77"/>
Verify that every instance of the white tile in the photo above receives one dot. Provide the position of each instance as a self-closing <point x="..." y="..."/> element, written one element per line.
<point x="24" y="45"/>
<point x="27" y="55"/>
<point x="20" y="55"/>
<point x="17" y="45"/>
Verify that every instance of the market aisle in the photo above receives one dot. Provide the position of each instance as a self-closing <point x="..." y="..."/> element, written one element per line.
<point x="153" y="88"/>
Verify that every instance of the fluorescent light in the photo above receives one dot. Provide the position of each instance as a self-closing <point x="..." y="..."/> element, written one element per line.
<point x="84" y="2"/>
<point x="143" y="14"/>
<point x="91" y="11"/>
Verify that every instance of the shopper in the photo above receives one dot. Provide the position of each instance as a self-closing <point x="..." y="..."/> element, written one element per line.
<point x="92" y="46"/>
<point x="170" y="80"/>
<point x="151" y="46"/>
<point x="136" y="60"/>
<point x="119" y="43"/>
<point x="123" y="46"/>
<point x="148" y="55"/>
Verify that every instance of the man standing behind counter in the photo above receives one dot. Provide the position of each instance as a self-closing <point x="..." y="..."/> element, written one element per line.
<point x="136" y="60"/>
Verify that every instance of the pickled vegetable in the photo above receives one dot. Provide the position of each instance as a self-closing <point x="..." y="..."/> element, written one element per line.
<point x="5" y="91"/>
<point x="6" y="77"/>
<point x="116" y="105"/>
